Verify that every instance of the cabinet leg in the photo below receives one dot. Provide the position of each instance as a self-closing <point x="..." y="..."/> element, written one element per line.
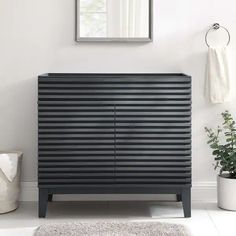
<point x="43" y="200"/>
<point x="178" y="197"/>
<point x="186" y="201"/>
<point x="50" y="197"/>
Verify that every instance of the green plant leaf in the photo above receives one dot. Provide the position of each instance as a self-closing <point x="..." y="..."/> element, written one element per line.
<point x="215" y="152"/>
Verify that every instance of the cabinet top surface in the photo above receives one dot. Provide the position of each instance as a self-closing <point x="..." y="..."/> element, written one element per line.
<point x="104" y="75"/>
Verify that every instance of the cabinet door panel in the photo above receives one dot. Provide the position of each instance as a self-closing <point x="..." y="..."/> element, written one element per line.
<point x="76" y="134"/>
<point x="153" y="140"/>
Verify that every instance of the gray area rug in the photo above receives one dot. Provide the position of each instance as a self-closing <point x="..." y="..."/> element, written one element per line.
<point x="107" y="228"/>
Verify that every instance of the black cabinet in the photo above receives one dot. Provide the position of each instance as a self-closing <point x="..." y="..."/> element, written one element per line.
<point x="114" y="133"/>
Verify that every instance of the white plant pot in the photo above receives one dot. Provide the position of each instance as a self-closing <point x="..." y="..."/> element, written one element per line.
<point x="226" y="193"/>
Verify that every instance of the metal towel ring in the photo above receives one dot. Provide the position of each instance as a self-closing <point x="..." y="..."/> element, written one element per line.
<point x="217" y="26"/>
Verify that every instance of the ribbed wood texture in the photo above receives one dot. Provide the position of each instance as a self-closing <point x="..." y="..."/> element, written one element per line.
<point x="114" y="130"/>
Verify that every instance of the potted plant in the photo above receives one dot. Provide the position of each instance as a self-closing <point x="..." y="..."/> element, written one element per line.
<point x="223" y="142"/>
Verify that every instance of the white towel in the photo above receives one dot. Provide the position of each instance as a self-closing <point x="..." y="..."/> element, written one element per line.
<point x="9" y="164"/>
<point x="217" y="78"/>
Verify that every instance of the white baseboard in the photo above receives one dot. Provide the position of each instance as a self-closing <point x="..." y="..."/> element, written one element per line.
<point x="201" y="191"/>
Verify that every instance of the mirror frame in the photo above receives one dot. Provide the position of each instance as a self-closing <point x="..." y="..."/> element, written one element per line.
<point x="102" y="39"/>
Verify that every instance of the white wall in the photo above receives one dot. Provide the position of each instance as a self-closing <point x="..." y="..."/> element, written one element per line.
<point x="37" y="36"/>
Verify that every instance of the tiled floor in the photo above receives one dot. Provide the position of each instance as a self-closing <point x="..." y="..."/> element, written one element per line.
<point x="206" y="220"/>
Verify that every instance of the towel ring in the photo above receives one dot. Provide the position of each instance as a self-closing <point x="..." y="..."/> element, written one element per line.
<point x="217" y="26"/>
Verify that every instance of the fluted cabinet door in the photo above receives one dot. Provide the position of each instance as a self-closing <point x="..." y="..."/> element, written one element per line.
<point x="76" y="132"/>
<point x="153" y="132"/>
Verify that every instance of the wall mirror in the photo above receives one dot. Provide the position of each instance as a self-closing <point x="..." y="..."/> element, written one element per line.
<point x="114" y="20"/>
